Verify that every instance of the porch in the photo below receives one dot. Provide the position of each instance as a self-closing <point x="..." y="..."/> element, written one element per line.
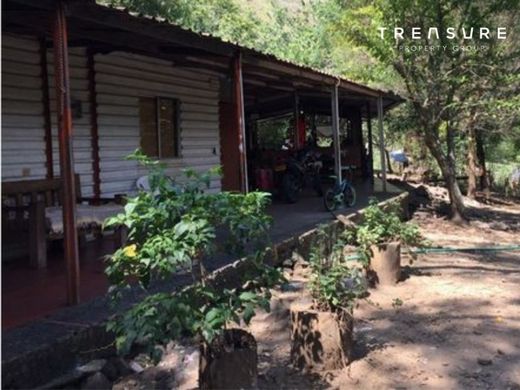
<point x="30" y="294"/>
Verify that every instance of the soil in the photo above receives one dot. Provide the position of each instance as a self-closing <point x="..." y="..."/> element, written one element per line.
<point x="453" y="322"/>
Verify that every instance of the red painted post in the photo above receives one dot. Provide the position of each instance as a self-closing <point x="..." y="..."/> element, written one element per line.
<point x="61" y="77"/>
<point x="238" y="93"/>
<point x="370" y="149"/>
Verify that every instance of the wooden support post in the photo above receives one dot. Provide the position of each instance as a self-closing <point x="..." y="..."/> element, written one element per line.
<point x="381" y="139"/>
<point x="62" y="81"/>
<point x="296" y="120"/>
<point x="37" y="236"/>
<point x="238" y="93"/>
<point x="370" y="148"/>
<point x="335" y="132"/>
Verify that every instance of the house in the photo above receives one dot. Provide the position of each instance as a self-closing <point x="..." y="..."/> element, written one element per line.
<point x="84" y="85"/>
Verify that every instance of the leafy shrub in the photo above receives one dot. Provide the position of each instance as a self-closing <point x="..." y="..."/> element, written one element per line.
<point x="380" y="227"/>
<point x="174" y="226"/>
<point x="333" y="284"/>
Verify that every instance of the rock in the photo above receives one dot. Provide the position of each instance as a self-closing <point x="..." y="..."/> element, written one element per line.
<point x="293" y="286"/>
<point x="184" y="363"/>
<point x="152" y="378"/>
<point x="122" y="366"/>
<point x="135" y="367"/>
<point x="498" y="225"/>
<point x="116" y="368"/>
<point x="110" y="371"/>
<point x="92" y="366"/>
<point x="97" y="381"/>
<point x="288" y="263"/>
<point x="484" y="362"/>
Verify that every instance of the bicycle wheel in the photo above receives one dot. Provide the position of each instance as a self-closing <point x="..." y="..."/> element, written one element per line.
<point x="349" y="196"/>
<point x="329" y="200"/>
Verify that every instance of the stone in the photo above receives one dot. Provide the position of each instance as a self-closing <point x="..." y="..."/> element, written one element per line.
<point x="116" y="368"/>
<point x="187" y="374"/>
<point x="92" y="366"/>
<point x="484" y="362"/>
<point x="97" y="381"/>
<point x="288" y="263"/>
<point x="135" y="367"/>
<point x="292" y="286"/>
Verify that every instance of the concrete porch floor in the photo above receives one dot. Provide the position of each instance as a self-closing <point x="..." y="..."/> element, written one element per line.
<point x="309" y="211"/>
<point x="29" y="294"/>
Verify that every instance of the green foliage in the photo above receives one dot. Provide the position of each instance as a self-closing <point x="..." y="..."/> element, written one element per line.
<point x="176" y="222"/>
<point x="199" y="310"/>
<point x="397" y="303"/>
<point x="174" y="226"/>
<point x="333" y="284"/>
<point x="380" y="227"/>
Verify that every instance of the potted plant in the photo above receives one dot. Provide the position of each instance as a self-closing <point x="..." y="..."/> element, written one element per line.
<point x="174" y="225"/>
<point x="380" y="237"/>
<point x="321" y="336"/>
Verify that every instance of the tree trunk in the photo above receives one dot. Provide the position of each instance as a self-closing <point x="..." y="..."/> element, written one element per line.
<point x="481" y="156"/>
<point x="388" y="162"/>
<point x="473" y="168"/>
<point x="458" y="210"/>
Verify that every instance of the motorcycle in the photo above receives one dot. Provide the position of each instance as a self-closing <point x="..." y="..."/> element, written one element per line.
<point x="302" y="170"/>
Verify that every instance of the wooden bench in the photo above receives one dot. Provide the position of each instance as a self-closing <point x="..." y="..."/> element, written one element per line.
<point x="23" y="213"/>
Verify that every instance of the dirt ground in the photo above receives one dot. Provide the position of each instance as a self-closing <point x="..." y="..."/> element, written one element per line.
<point x="452" y="323"/>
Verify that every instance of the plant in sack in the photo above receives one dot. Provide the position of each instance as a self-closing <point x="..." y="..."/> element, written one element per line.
<point x="380" y="237"/>
<point x="322" y="327"/>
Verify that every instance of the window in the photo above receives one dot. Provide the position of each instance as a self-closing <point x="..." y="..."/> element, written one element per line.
<point x="159" y="119"/>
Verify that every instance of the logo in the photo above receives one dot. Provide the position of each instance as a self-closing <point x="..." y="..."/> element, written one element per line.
<point x="443" y="37"/>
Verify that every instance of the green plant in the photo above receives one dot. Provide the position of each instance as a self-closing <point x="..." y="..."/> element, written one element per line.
<point x="333" y="284"/>
<point x="381" y="227"/>
<point x="199" y="310"/>
<point x="175" y="226"/>
<point x="397" y="302"/>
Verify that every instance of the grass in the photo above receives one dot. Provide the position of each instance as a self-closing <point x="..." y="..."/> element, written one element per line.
<point x="501" y="173"/>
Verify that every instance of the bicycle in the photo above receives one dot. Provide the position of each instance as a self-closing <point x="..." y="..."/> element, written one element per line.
<point x="343" y="193"/>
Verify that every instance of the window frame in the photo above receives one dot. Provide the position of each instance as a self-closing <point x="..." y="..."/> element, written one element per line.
<point x="177" y="126"/>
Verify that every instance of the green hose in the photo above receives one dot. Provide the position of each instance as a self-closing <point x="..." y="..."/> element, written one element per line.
<point x="498" y="248"/>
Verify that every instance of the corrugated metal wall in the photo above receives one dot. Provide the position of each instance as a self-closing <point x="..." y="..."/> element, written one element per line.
<point x="122" y="78"/>
<point x="23" y="145"/>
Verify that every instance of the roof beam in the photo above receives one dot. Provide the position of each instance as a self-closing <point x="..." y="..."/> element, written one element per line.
<point x="162" y="32"/>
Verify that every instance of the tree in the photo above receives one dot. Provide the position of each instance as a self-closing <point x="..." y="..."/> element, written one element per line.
<point x="435" y="79"/>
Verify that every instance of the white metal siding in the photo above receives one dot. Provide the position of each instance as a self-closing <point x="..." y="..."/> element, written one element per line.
<point x="79" y="90"/>
<point x="122" y="78"/>
<point x="23" y="144"/>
